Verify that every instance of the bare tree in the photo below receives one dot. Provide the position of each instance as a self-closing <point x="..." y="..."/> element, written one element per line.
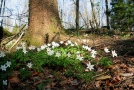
<point x="107" y="13"/>
<point x="77" y="17"/>
<point x="94" y="20"/>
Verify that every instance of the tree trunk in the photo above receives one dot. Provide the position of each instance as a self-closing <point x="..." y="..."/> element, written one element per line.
<point x="107" y="14"/>
<point x="94" y="15"/>
<point x="77" y="17"/>
<point x="43" y="21"/>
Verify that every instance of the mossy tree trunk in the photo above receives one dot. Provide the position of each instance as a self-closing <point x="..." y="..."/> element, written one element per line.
<point x="43" y="21"/>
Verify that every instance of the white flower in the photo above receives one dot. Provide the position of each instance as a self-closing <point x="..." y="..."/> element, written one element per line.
<point x="8" y="64"/>
<point x="4" y="82"/>
<point x="72" y="44"/>
<point x="18" y="48"/>
<point x="31" y="47"/>
<point x="58" y="54"/>
<point x="89" y="66"/>
<point x="114" y="54"/>
<point x="69" y="42"/>
<point x="48" y="49"/>
<point x="55" y="44"/>
<point x="29" y="65"/>
<point x="93" y="55"/>
<point x="87" y="47"/>
<point x="43" y="47"/>
<point x="83" y="46"/>
<point x="2" y="54"/>
<point x="79" y="57"/>
<point x="106" y="50"/>
<point x="23" y="44"/>
<point x="69" y="54"/>
<point x="24" y="51"/>
<point x="51" y="52"/>
<point x="66" y="43"/>
<point x="61" y="42"/>
<point x="38" y="49"/>
<point x="48" y="44"/>
<point x="93" y="52"/>
<point x="3" y="67"/>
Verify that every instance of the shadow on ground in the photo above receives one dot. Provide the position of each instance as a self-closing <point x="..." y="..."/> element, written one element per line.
<point x="124" y="47"/>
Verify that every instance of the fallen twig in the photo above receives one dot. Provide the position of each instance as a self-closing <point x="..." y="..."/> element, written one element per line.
<point x="17" y="40"/>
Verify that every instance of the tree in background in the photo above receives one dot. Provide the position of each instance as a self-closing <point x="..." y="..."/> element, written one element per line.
<point x="107" y="14"/>
<point x="77" y="17"/>
<point x="122" y="15"/>
<point x="94" y="18"/>
<point x="43" y="21"/>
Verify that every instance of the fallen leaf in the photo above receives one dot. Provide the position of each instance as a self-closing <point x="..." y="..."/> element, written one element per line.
<point x="109" y="84"/>
<point x="132" y="59"/>
<point x="62" y="83"/>
<point x="131" y="70"/>
<point x="14" y="79"/>
<point x="15" y="73"/>
<point x="123" y="66"/>
<point x="35" y="73"/>
<point x="131" y="86"/>
<point x="103" y="77"/>
<point x="53" y="84"/>
<point x="116" y="79"/>
<point x="97" y="84"/>
<point x="41" y="75"/>
<point x="127" y="74"/>
<point x="75" y="82"/>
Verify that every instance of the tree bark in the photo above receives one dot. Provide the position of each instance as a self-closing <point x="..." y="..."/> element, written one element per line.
<point x="107" y="14"/>
<point x="77" y="17"/>
<point x="43" y="21"/>
<point x="94" y="15"/>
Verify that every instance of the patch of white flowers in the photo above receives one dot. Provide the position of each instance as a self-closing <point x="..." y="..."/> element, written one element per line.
<point x="5" y="66"/>
<point x="93" y="53"/>
<point x="69" y="54"/>
<point x="114" y="54"/>
<point x="43" y="47"/>
<point x="58" y="54"/>
<point x="50" y="51"/>
<point x="54" y="44"/>
<point x="79" y="57"/>
<point x="32" y="47"/>
<point x="87" y="47"/>
<point x="23" y="44"/>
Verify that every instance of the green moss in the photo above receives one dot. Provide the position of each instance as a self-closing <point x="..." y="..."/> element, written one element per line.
<point x="33" y="41"/>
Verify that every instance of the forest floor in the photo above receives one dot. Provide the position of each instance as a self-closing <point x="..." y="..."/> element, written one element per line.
<point x="119" y="76"/>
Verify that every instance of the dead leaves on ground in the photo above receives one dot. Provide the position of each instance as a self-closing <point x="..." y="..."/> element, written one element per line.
<point x="119" y="76"/>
